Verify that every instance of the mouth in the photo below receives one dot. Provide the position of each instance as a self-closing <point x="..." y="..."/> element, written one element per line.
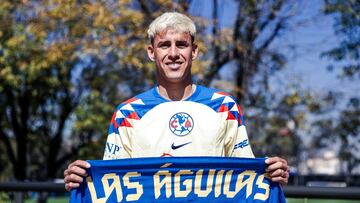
<point x="174" y="65"/>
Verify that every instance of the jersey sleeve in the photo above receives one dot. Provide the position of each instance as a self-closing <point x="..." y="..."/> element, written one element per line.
<point x="236" y="139"/>
<point x="118" y="144"/>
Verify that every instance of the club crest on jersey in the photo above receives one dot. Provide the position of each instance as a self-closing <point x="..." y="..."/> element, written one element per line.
<point x="181" y="124"/>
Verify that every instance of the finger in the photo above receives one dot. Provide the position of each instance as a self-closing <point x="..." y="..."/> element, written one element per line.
<point x="80" y="163"/>
<point x="67" y="187"/>
<point x="277" y="172"/>
<point x="275" y="159"/>
<point x="66" y="172"/>
<point x="281" y="179"/>
<point x="76" y="170"/>
<point x="70" y="186"/>
<point x="277" y="165"/>
<point x="73" y="178"/>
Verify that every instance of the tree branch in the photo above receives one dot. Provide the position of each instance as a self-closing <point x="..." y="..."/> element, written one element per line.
<point x="13" y="115"/>
<point x="66" y="109"/>
<point x="278" y="27"/>
<point x="216" y="66"/>
<point x="272" y="15"/>
<point x="9" y="149"/>
<point x="238" y="24"/>
<point x="73" y="151"/>
<point x="185" y="4"/>
<point x="144" y="7"/>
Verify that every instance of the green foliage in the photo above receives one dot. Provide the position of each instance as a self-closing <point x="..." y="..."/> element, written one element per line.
<point x="342" y="130"/>
<point x="5" y="167"/>
<point x="347" y="25"/>
<point x="65" y="65"/>
<point x="275" y="122"/>
<point x="247" y="47"/>
<point x="348" y="131"/>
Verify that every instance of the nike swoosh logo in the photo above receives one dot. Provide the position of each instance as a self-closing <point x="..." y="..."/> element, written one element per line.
<point x="178" y="146"/>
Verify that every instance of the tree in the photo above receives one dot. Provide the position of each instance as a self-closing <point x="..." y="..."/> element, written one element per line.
<point x="257" y="25"/>
<point x="65" y="65"/>
<point x="247" y="48"/>
<point x="347" y="26"/>
<point x="56" y="59"/>
<point x="343" y="131"/>
<point x="340" y="134"/>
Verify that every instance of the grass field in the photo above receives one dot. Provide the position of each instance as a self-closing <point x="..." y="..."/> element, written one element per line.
<point x="289" y="200"/>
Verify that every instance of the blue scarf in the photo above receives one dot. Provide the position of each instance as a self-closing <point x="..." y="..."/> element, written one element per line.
<point x="178" y="179"/>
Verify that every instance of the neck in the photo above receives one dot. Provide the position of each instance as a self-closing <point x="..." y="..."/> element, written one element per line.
<point x="176" y="92"/>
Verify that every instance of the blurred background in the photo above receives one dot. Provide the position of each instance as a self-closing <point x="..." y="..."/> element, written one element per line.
<point x="294" y="67"/>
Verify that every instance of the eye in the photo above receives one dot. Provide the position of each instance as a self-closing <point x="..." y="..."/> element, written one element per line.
<point x="163" y="45"/>
<point x="182" y="45"/>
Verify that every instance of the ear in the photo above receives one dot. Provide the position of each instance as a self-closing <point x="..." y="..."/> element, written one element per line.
<point x="195" y="51"/>
<point x="150" y="52"/>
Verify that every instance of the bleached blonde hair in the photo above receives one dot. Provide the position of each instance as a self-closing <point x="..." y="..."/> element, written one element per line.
<point x="172" y="20"/>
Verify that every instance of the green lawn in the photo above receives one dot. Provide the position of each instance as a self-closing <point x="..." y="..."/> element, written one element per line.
<point x="52" y="200"/>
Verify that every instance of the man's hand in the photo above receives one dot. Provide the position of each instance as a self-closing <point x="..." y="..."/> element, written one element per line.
<point x="278" y="170"/>
<point x="75" y="173"/>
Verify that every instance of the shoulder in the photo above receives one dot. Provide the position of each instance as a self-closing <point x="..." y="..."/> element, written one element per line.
<point x="139" y="105"/>
<point x="216" y="99"/>
<point x="214" y="94"/>
<point x="138" y="99"/>
<point x="222" y="103"/>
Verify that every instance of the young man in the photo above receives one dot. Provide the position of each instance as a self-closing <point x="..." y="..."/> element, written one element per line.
<point x="177" y="117"/>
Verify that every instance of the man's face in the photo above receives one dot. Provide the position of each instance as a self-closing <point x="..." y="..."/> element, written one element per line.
<point x="173" y="53"/>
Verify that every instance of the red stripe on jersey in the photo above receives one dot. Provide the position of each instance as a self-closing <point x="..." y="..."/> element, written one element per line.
<point x="223" y="108"/>
<point x="165" y="155"/>
<point x="239" y="120"/>
<point x="230" y="116"/>
<point x="113" y="121"/>
<point x="239" y="109"/>
<point x="223" y="93"/>
<point x="133" y="115"/>
<point x="131" y="100"/>
<point x="125" y="123"/>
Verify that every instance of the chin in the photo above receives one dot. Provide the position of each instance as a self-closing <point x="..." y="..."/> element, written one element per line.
<point x="174" y="78"/>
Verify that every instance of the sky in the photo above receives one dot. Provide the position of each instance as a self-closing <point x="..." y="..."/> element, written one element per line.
<point x="312" y="34"/>
<point x="309" y="34"/>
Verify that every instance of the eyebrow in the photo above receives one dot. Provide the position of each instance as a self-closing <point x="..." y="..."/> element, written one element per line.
<point x="165" y="42"/>
<point x="182" y="42"/>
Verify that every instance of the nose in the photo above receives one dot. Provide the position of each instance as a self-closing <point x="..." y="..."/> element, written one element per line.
<point x="173" y="53"/>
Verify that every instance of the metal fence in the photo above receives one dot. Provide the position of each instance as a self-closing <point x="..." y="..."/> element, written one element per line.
<point x="290" y="191"/>
<point x="322" y="192"/>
